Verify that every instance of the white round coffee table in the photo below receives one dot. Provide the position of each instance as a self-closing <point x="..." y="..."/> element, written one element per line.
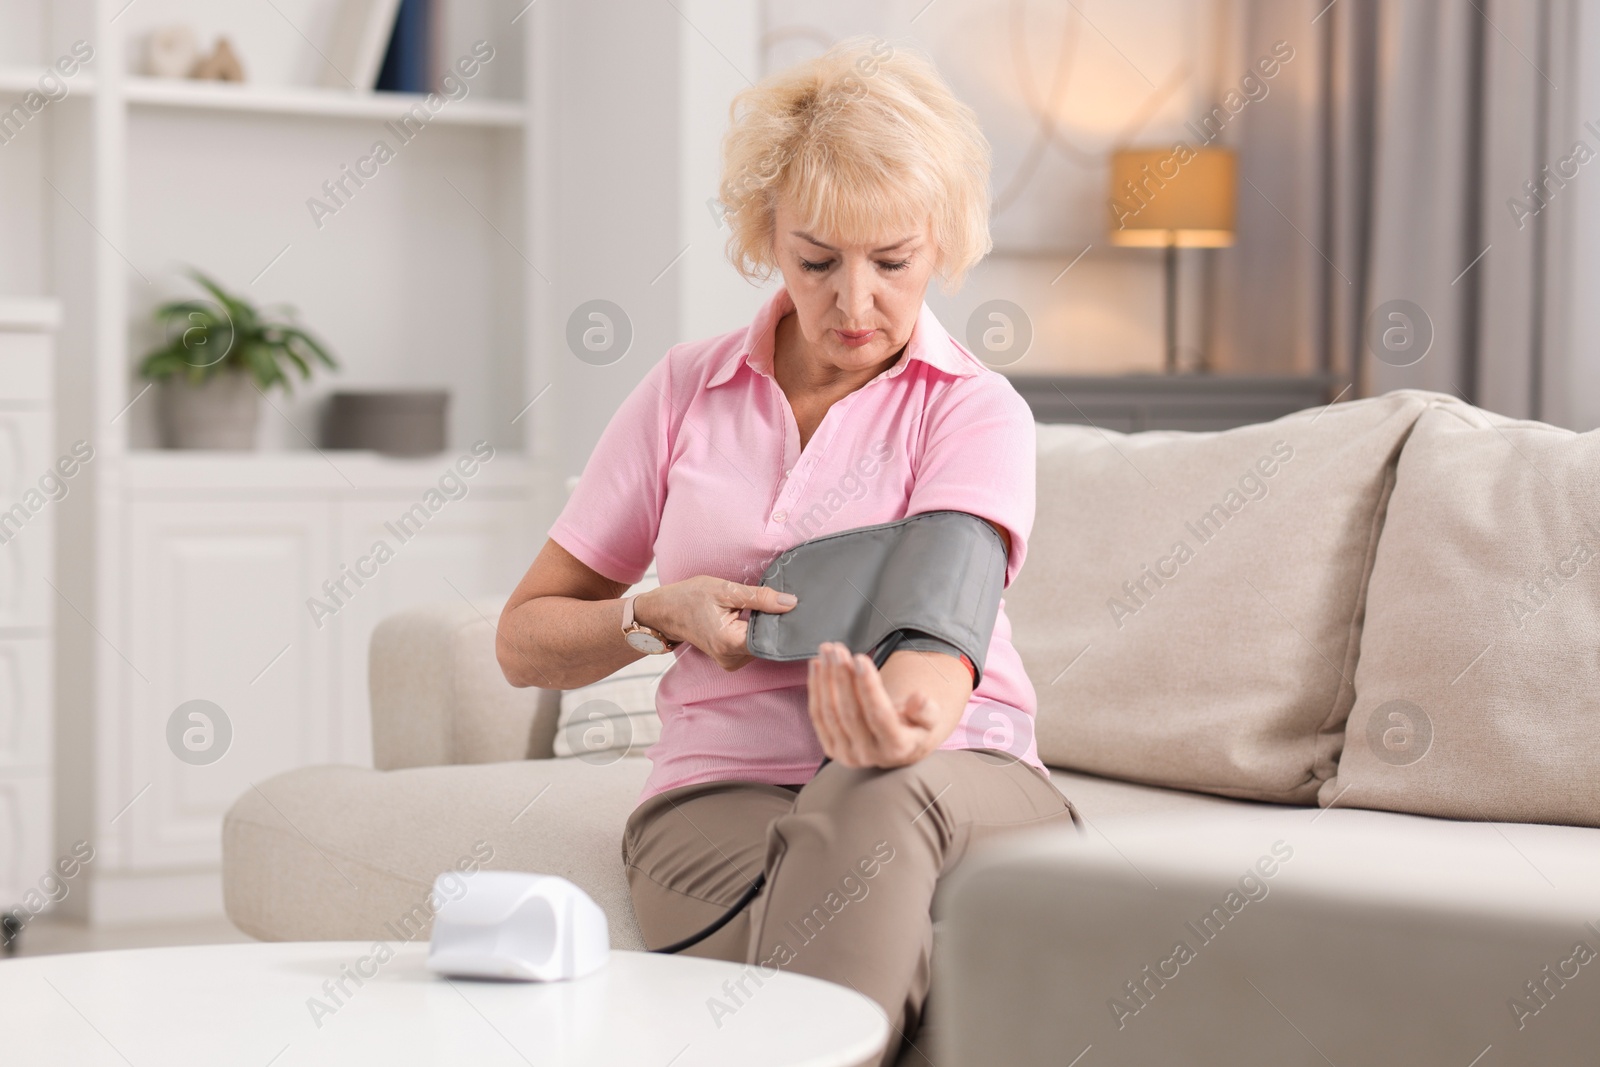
<point x="281" y="1004"/>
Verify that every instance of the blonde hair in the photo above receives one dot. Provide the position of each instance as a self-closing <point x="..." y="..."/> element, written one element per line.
<point x="864" y="140"/>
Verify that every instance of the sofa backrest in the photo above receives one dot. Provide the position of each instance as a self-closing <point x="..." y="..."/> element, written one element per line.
<point x="1244" y="613"/>
<point x="1478" y="686"/>
<point x="1190" y="609"/>
<point x="438" y="694"/>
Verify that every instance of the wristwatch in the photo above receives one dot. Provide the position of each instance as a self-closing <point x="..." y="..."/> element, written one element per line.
<point x="646" y="639"/>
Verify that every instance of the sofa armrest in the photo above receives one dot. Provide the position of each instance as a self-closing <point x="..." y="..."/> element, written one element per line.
<point x="438" y="696"/>
<point x="1197" y="937"/>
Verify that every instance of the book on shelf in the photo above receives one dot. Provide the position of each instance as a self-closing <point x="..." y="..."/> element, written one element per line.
<point x="362" y="32"/>
<point x="408" y="64"/>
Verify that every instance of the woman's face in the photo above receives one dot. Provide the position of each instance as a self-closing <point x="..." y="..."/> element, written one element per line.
<point x="856" y="304"/>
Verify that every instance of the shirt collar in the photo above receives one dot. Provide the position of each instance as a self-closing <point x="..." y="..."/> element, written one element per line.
<point x="929" y="343"/>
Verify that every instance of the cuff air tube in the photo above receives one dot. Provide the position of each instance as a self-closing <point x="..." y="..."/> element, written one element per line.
<point x="929" y="581"/>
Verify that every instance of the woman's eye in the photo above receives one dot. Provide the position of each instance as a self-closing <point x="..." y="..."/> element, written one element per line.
<point x="897" y="265"/>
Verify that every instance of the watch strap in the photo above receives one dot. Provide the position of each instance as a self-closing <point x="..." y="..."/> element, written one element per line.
<point x="630" y="624"/>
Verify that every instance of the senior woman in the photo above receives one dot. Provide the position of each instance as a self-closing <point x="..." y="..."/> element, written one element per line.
<point x="845" y="403"/>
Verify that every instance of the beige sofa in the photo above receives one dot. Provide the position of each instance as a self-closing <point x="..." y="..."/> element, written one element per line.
<point x="1238" y="639"/>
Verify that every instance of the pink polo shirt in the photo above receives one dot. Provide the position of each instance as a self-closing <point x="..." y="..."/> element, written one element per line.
<point x="701" y="469"/>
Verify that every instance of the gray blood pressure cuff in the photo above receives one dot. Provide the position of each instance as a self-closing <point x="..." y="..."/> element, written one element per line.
<point x="931" y="581"/>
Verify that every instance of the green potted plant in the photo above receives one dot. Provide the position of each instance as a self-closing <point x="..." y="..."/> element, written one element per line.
<point x="218" y="356"/>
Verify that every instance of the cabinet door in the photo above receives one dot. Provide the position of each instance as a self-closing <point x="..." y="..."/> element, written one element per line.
<point x="25" y="366"/>
<point x="478" y="547"/>
<point x="24" y="838"/>
<point x="25" y="707"/>
<point x="26" y="514"/>
<point x="215" y="610"/>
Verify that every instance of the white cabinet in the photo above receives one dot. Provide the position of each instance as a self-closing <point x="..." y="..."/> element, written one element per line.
<point x="25" y="703"/>
<point x="24" y="834"/>
<point x="471" y="548"/>
<point x="256" y="586"/>
<point x="26" y="610"/>
<point x="184" y="576"/>
<point x="212" y="616"/>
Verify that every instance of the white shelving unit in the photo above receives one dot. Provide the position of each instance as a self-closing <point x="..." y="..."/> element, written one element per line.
<point x="21" y="79"/>
<point x="185" y="576"/>
<point x="27" y="378"/>
<point x="331" y="103"/>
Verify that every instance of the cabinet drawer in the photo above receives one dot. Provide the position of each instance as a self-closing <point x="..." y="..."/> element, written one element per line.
<point x="27" y="512"/>
<point x="25" y="369"/>
<point x="24" y="705"/>
<point x="24" y="454"/>
<point x="24" y="834"/>
<point x="24" y="564"/>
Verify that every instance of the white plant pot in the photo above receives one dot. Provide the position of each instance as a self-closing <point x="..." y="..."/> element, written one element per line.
<point x="220" y="413"/>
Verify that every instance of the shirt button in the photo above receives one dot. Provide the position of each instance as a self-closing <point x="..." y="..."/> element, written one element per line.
<point x="779" y="516"/>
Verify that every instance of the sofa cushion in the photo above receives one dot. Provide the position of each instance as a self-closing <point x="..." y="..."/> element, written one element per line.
<point x="1478" y="686"/>
<point x="616" y="716"/>
<point x="1190" y="609"/>
<point x="347" y="853"/>
<point x="1102" y="801"/>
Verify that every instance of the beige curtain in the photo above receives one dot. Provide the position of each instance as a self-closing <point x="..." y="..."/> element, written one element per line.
<point x="1392" y="178"/>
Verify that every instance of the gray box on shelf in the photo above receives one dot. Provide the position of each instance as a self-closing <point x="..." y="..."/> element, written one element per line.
<point x="398" y="422"/>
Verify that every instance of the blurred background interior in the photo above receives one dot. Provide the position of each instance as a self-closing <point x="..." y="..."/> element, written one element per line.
<point x="1375" y="195"/>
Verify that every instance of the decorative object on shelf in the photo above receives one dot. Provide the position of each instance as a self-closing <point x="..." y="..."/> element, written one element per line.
<point x="171" y="52"/>
<point x="222" y="65"/>
<point x="219" y="353"/>
<point x="1173" y="198"/>
<point x="360" y="36"/>
<point x="396" y="422"/>
<point x="409" y="60"/>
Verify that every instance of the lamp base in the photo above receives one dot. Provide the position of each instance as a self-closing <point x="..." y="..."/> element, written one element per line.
<point x="1172" y="308"/>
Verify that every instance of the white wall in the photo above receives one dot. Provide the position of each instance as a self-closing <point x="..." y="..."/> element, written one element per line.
<point x="1104" y="314"/>
<point x="719" y="41"/>
<point x="612" y="175"/>
<point x="23" y="222"/>
<point x="21" y="34"/>
<point x="394" y="282"/>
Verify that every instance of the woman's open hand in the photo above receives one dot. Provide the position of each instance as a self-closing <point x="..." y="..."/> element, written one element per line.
<point x="859" y="723"/>
<point x="704" y="611"/>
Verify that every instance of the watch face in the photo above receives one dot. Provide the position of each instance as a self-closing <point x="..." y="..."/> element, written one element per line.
<point x="645" y="642"/>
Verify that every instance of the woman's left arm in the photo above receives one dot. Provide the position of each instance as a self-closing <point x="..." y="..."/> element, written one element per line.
<point x="979" y="457"/>
<point x="866" y="717"/>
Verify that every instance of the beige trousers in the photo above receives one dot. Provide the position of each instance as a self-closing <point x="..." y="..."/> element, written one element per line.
<point x="851" y="858"/>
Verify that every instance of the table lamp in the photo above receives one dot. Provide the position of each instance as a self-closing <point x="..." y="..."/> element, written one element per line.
<point x="1173" y="198"/>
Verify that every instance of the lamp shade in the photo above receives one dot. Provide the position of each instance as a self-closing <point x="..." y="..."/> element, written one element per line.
<point x="1181" y="197"/>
